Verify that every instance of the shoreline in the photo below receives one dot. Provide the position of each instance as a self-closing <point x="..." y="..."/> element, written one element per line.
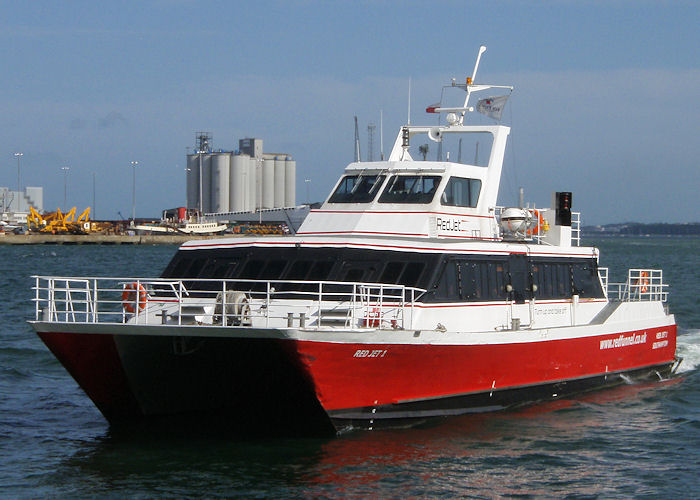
<point x="102" y="239"/>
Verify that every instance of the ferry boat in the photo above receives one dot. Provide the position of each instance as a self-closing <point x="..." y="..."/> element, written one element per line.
<point x="408" y="294"/>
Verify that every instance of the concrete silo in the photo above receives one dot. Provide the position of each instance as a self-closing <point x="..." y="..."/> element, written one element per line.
<point x="290" y="179"/>
<point x="252" y="190"/>
<point x="205" y="159"/>
<point x="238" y="182"/>
<point x="220" y="166"/>
<point x="279" y="180"/>
<point x="268" y="183"/>
<point x="193" y="181"/>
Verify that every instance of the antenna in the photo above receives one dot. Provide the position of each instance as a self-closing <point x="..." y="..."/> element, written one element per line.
<point x="357" y="142"/>
<point x="371" y="127"/>
<point x="470" y="81"/>
<point x="381" y="135"/>
<point x="409" y="101"/>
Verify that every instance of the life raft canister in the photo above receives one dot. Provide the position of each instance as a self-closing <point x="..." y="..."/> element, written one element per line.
<point x="134" y="297"/>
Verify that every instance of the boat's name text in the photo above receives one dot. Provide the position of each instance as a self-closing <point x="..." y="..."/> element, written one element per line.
<point x="366" y="353"/>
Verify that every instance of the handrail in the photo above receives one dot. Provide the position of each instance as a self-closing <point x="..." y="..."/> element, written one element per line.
<point x="641" y="285"/>
<point x="225" y="303"/>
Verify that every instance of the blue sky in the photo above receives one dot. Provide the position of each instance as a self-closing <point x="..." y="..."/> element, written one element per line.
<point x="605" y="102"/>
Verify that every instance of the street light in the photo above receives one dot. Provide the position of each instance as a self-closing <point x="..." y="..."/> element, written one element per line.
<point x="65" y="186"/>
<point x="187" y="184"/>
<point x="133" y="193"/>
<point x="19" y="184"/>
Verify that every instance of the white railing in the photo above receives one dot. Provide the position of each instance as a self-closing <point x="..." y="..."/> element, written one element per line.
<point x="225" y="303"/>
<point x="641" y="285"/>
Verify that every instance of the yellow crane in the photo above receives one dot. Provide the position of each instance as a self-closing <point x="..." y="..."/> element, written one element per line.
<point x="59" y="223"/>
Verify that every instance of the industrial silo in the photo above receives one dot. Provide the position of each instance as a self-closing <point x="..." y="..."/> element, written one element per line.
<point x="193" y="181"/>
<point x="279" y="180"/>
<point x="258" y="183"/>
<point x="252" y="189"/>
<point x="268" y="183"/>
<point x="238" y="182"/>
<point x="220" y="165"/>
<point x="205" y="159"/>
<point x="290" y="179"/>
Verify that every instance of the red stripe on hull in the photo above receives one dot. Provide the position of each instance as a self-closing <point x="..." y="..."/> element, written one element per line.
<point x="360" y="375"/>
<point x="93" y="361"/>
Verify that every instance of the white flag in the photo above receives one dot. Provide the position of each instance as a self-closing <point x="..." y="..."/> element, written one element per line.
<point x="492" y="106"/>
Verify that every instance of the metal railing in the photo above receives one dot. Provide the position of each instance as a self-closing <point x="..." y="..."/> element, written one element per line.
<point x="225" y="303"/>
<point x="641" y="285"/>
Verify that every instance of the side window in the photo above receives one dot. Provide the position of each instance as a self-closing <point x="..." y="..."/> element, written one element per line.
<point x="392" y="272"/>
<point x="357" y="189"/>
<point x="461" y="192"/>
<point x="411" y="274"/>
<point x="446" y="287"/>
<point x="410" y="189"/>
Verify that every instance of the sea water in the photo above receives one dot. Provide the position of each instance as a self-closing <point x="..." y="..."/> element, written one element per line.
<point x="633" y="441"/>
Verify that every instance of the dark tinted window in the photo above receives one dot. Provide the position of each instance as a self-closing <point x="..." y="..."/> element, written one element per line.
<point x="410" y="189"/>
<point x="461" y="192"/>
<point x="357" y="189"/>
<point x="411" y="274"/>
<point x="392" y="272"/>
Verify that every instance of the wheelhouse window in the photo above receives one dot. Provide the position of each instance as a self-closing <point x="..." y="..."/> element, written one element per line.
<point x="461" y="192"/>
<point x="357" y="189"/>
<point x="410" y="189"/>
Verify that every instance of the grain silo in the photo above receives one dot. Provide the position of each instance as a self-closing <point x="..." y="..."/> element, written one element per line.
<point x="220" y="165"/>
<point x="251" y="191"/>
<point x="290" y="179"/>
<point x="238" y="182"/>
<point x="268" y="182"/>
<point x="279" y="180"/>
<point x="193" y="181"/>
<point x="206" y="181"/>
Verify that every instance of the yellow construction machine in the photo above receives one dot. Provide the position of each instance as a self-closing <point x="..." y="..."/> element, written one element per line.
<point x="59" y="223"/>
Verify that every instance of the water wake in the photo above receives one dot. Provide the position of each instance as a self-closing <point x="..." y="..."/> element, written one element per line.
<point x="688" y="348"/>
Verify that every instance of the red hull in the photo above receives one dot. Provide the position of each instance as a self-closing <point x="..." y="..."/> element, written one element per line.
<point x="260" y="379"/>
<point x="360" y="375"/>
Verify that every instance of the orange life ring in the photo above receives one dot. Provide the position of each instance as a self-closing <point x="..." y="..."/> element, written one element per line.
<point x="131" y="300"/>
<point x="644" y="282"/>
<point x="540" y="223"/>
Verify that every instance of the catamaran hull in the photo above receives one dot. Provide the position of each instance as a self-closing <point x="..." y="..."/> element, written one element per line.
<point x="320" y="386"/>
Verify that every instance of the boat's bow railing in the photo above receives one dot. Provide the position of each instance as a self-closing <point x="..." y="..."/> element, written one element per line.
<point x="225" y="303"/>
<point x="641" y="285"/>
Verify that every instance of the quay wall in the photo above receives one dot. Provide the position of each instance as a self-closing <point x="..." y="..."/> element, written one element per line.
<point x="100" y="239"/>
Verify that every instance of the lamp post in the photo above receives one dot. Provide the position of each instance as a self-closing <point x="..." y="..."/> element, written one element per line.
<point x="65" y="186"/>
<point x="187" y="185"/>
<point x="19" y="184"/>
<point x="133" y="193"/>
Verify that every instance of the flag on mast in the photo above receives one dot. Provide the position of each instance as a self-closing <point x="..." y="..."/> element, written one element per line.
<point x="492" y="106"/>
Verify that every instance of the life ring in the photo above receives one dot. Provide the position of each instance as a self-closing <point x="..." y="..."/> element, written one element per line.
<point x="133" y="297"/>
<point x="535" y="230"/>
<point x="643" y="282"/>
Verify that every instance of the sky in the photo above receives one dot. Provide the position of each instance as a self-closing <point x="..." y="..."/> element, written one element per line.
<point x="605" y="103"/>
